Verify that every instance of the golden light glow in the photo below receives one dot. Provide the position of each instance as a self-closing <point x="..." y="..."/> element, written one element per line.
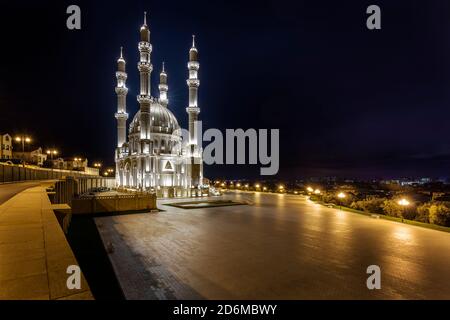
<point x="264" y="188"/>
<point x="310" y="189"/>
<point x="317" y="191"/>
<point x="238" y="185"/>
<point x="257" y="185"/>
<point x="281" y="187"/>
<point x="403" y="202"/>
<point x="341" y="195"/>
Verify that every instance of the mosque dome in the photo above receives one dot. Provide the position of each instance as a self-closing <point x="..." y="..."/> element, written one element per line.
<point x="162" y="120"/>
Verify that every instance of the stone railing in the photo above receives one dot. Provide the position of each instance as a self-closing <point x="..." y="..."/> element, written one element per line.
<point x="114" y="203"/>
<point x="16" y="173"/>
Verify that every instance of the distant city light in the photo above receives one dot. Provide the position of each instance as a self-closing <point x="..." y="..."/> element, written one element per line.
<point x="317" y="191"/>
<point x="238" y="185"/>
<point x="341" y="195"/>
<point x="257" y="185"/>
<point x="403" y="202"/>
<point x="310" y="189"/>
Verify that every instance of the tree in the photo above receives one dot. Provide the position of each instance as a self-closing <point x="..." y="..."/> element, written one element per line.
<point x="439" y="213"/>
<point x="371" y="204"/>
<point x="392" y="208"/>
<point x="423" y="213"/>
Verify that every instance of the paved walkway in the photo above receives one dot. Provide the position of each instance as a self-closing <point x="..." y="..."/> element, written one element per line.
<point x="34" y="253"/>
<point x="277" y="247"/>
<point x="9" y="190"/>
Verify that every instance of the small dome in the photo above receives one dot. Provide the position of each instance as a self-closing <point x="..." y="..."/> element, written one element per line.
<point x="161" y="118"/>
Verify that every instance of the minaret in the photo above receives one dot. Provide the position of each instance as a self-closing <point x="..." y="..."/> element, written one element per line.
<point x="193" y="83"/>
<point x="195" y="163"/>
<point x="145" y="69"/>
<point x="121" y="91"/>
<point x="163" y="87"/>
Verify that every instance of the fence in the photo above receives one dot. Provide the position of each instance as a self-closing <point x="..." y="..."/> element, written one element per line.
<point x="16" y="173"/>
<point x="116" y="203"/>
<point x="67" y="189"/>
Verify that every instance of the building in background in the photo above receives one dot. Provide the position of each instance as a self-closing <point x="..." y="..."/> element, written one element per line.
<point x="5" y="146"/>
<point x="73" y="164"/>
<point x="36" y="157"/>
<point x="155" y="157"/>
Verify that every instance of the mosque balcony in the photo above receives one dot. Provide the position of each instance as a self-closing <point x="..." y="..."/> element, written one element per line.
<point x="193" y="110"/>
<point x="145" y="46"/>
<point x="121" y="115"/>
<point x="143" y="98"/>
<point x="163" y="87"/>
<point x="193" y="82"/>
<point x="144" y="66"/>
<point x="121" y="90"/>
<point x="193" y="65"/>
<point x="120" y="75"/>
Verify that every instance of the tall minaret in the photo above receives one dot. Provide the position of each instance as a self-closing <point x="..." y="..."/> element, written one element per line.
<point x="121" y="91"/>
<point x="193" y="83"/>
<point x="163" y="87"/>
<point x="195" y="162"/>
<point x="145" y="69"/>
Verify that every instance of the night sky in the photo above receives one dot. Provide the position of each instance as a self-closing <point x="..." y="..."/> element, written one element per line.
<point x="348" y="101"/>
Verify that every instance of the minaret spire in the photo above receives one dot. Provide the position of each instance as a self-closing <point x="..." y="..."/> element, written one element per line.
<point x="163" y="87"/>
<point x="194" y="151"/>
<point x="121" y="91"/>
<point x="145" y="96"/>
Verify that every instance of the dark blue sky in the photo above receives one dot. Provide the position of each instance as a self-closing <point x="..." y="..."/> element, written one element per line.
<point x="348" y="101"/>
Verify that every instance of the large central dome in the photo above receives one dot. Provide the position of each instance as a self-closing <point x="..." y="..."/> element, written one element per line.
<point x="162" y="120"/>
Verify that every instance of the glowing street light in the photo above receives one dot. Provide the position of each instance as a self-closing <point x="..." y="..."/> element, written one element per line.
<point x="97" y="164"/>
<point x="238" y="185"/>
<point x="265" y="188"/>
<point x="404" y="203"/>
<point x="281" y="188"/>
<point x="257" y="186"/>
<point x="52" y="152"/>
<point x="23" y="139"/>
<point x="309" y="189"/>
<point x="317" y="191"/>
<point x="341" y="195"/>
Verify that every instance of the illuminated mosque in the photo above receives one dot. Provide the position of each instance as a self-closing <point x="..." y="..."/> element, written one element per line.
<point x="155" y="157"/>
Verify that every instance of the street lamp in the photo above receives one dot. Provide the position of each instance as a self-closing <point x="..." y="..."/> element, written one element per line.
<point x="97" y="164"/>
<point x="309" y="189"/>
<point x="317" y="191"/>
<point x="23" y="139"/>
<point x="403" y="203"/>
<point x="52" y="153"/>
<point x="341" y="196"/>
<point x="281" y="188"/>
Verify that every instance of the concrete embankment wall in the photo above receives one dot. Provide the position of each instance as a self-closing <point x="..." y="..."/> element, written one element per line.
<point x="15" y="173"/>
<point x="118" y="203"/>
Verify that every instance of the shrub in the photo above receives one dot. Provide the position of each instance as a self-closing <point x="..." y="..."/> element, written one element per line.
<point x="439" y="214"/>
<point x="371" y="204"/>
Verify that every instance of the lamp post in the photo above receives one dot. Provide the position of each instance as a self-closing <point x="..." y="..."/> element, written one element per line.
<point x="52" y="153"/>
<point x="404" y="204"/>
<point x="341" y="196"/>
<point x="23" y="139"/>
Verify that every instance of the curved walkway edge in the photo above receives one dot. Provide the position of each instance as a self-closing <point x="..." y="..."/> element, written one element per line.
<point x="34" y="252"/>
